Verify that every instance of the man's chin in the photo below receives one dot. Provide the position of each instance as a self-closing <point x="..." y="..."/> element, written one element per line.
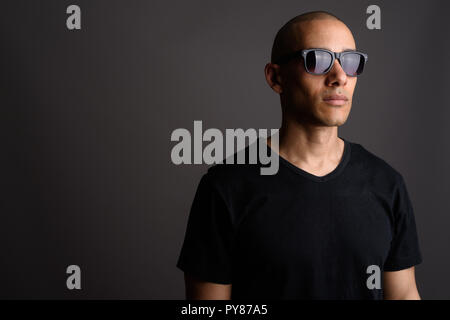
<point x="333" y="122"/>
<point x="323" y="119"/>
<point x="334" y="118"/>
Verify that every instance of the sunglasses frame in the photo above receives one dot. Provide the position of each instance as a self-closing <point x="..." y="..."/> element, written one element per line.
<point x="335" y="55"/>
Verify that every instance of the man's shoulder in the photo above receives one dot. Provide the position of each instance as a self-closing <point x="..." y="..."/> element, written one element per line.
<point x="235" y="169"/>
<point x="227" y="172"/>
<point x="374" y="164"/>
<point x="366" y="161"/>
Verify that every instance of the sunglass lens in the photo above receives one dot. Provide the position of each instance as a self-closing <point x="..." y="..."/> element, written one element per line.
<point x="353" y="63"/>
<point x="318" y="61"/>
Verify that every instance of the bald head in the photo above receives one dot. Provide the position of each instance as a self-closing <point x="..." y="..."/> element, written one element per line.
<point x="290" y="34"/>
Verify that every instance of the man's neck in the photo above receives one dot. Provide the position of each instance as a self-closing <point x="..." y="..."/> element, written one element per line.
<point x="317" y="150"/>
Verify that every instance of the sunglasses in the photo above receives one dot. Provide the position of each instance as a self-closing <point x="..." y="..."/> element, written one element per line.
<point x="320" y="61"/>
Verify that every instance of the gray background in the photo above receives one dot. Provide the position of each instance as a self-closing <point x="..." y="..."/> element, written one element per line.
<point x="86" y="119"/>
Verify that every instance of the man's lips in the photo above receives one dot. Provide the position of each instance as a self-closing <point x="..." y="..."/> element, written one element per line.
<point x="335" y="99"/>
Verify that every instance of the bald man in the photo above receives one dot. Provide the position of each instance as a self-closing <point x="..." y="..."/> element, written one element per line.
<point x="335" y="222"/>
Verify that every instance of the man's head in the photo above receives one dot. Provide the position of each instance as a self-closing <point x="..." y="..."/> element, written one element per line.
<point x="303" y="95"/>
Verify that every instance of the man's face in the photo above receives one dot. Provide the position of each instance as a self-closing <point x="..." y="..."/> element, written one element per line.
<point x="304" y="95"/>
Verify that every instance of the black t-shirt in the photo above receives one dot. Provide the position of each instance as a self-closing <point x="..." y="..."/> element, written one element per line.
<point x="294" y="235"/>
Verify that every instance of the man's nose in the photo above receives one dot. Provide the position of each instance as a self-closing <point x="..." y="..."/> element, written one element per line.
<point x="336" y="76"/>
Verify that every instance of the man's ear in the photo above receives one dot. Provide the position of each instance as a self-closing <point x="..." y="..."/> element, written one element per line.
<point x="273" y="77"/>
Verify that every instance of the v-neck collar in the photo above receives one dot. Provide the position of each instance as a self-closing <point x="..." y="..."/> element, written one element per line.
<point x="340" y="167"/>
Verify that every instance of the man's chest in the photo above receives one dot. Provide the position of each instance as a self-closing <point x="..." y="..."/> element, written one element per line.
<point x="305" y="229"/>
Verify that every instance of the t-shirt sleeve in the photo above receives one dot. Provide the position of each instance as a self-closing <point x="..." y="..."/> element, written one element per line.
<point x="207" y="248"/>
<point x="404" y="252"/>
